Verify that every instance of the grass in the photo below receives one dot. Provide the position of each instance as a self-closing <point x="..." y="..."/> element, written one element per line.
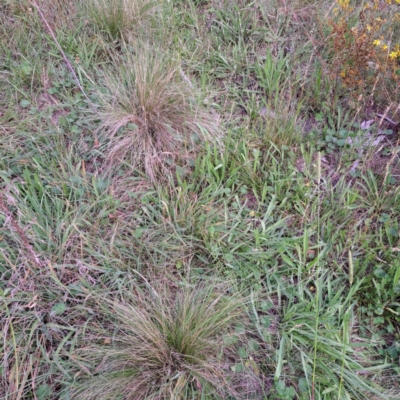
<point x="152" y="103"/>
<point x="190" y="203"/>
<point x="166" y="345"/>
<point x="120" y="19"/>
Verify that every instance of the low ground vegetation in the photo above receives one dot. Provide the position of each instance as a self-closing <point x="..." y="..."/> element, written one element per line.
<point x="199" y="199"/>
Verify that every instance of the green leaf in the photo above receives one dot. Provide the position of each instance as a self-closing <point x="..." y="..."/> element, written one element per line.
<point x="384" y="218"/>
<point x="392" y="353"/>
<point x="253" y="346"/>
<point x="243" y="352"/>
<point x="280" y="386"/>
<point x="229" y="257"/>
<point x="230" y="340"/>
<point x="26" y="69"/>
<point x="102" y="184"/>
<point x="378" y="310"/>
<point x="43" y="391"/>
<point x="24" y="103"/>
<point x="237" y="368"/>
<point x="341" y="142"/>
<point x="266" y="321"/>
<point x="303" y="385"/>
<point x="290" y="392"/>
<point x="379" y="320"/>
<point x="58" y="309"/>
<point x="280" y="354"/>
<point x="379" y="273"/>
<point x="266" y="305"/>
<point x="390" y="328"/>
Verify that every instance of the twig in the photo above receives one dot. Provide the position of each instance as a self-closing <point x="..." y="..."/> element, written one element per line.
<point x="384" y="117"/>
<point x="69" y="65"/>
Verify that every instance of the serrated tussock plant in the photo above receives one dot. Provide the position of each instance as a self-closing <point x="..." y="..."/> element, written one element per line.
<point x="163" y="345"/>
<point x="150" y="115"/>
<point x="121" y="19"/>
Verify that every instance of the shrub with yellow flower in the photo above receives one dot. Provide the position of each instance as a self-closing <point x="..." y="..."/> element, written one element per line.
<point x="360" y="44"/>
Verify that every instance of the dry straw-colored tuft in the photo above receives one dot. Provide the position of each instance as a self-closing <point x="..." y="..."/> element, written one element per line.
<point x="167" y="345"/>
<point x="150" y="116"/>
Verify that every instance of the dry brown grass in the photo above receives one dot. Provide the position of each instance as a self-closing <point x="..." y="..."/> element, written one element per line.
<point x="151" y="116"/>
<point x="166" y="345"/>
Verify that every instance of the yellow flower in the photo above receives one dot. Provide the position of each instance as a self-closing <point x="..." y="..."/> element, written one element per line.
<point x="376" y="42"/>
<point x="344" y="4"/>
<point x="394" y="54"/>
<point x="385" y="47"/>
<point x="369" y="27"/>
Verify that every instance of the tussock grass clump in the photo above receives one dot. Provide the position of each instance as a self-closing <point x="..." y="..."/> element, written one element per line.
<point x="164" y="345"/>
<point x="121" y="18"/>
<point x="150" y="116"/>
